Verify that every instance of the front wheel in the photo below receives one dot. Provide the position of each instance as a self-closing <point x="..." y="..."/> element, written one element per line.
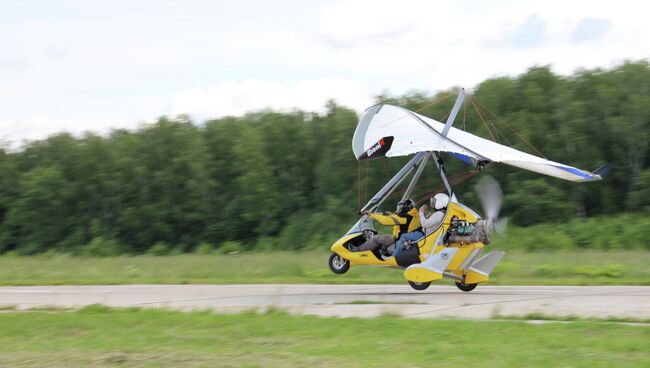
<point x="419" y="285"/>
<point x="466" y="287"/>
<point x="338" y="264"/>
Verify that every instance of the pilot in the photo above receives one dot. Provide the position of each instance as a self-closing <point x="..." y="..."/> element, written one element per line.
<point x="430" y="222"/>
<point x="405" y="220"/>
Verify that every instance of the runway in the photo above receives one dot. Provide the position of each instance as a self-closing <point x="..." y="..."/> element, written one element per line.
<point x="439" y="301"/>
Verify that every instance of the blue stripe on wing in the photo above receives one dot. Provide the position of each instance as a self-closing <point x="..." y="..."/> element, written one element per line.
<point x="468" y="160"/>
<point x="577" y="172"/>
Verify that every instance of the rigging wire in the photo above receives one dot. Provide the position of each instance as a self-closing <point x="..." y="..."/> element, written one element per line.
<point x="434" y="102"/>
<point x="358" y="185"/>
<point x="427" y="183"/>
<point x="496" y="130"/>
<point x="437" y="100"/>
<point x="500" y="133"/>
<point x="424" y="192"/>
<point x="386" y="173"/>
<point x="481" y="117"/>
<point x="508" y="126"/>
<point x="446" y="115"/>
<point x="455" y="180"/>
<point x="367" y="165"/>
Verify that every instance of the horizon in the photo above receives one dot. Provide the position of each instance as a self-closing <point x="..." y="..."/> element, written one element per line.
<point x="15" y="146"/>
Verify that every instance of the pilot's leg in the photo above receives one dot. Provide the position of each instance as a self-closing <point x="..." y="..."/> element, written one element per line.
<point x="375" y="241"/>
<point x="399" y="244"/>
<point x="415" y="235"/>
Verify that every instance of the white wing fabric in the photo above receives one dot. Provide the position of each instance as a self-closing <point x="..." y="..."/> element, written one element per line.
<point x="387" y="130"/>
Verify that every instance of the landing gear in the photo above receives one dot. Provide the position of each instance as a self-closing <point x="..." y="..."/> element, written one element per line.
<point x="338" y="264"/>
<point x="419" y="285"/>
<point x="466" y="287"/>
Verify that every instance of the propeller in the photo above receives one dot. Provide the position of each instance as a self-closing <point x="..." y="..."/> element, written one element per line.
<point x="491" y="197"/>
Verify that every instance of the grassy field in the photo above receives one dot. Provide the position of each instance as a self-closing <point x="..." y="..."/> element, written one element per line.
<point x="100" y="337"/>
<point x="518" y="267"/>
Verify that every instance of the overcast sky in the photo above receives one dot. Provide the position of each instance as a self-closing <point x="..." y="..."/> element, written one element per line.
<point x="91" y="65"/>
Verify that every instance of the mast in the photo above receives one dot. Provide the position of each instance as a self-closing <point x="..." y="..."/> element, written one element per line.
<point x="450" y="121"/>
<point x="454" y="112"/>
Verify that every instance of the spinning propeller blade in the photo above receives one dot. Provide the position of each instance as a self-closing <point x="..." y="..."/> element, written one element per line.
<point x="491" y="197"/>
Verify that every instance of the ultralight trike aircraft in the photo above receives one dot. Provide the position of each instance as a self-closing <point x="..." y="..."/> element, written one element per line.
<point x="455" y="249"/>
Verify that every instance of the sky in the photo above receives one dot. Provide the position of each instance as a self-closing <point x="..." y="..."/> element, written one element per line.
<point x="89" y="65"/>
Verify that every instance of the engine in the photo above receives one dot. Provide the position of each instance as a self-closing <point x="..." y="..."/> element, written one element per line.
<point x="462" y="231"/>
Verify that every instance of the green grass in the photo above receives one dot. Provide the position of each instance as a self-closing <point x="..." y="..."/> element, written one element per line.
<point x="564" y="318"/>
<point x="518" y="267"/>
<point x="101" y="337"/>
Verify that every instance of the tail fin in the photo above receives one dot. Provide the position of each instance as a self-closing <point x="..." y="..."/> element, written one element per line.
<point x="602" y="171"/>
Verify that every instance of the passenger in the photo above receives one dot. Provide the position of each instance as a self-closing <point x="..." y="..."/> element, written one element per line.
<point x="406" y="219"/>
<point x="430" y="222"/>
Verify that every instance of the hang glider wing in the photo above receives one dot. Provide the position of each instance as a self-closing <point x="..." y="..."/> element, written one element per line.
<point x="390" y="131"/>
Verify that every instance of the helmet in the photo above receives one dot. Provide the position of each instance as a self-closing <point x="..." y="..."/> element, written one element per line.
<point x="405" y="205"/>
<point x="440" y="201"/>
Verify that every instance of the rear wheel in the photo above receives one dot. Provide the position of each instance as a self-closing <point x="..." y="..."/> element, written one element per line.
<point x="419" y="285"/>
<point x="466" y="287"/>
<point x="338" y="264"/>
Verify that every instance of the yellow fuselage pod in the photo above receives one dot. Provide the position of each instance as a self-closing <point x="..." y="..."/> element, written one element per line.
<point x="427" y="245"/>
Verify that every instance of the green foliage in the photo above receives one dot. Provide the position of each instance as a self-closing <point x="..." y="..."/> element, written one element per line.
<point x="622" y="232"/>
<point x="204" y="248"/>
<point x="41" y="213"/>
<point x="563" y="269"/>
<point x="639" y="197"/>
<point x="266" y="243"/>
<point x="289" y="181"/>
<point x="230" y="247"/>
<point x="610" y="270"/>
<point x="159" y="249"/>
<point x="535" y="199"/>
<point x="100" y="247"/>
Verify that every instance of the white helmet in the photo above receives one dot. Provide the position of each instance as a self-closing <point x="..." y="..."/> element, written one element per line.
<point x="440" y="201"/>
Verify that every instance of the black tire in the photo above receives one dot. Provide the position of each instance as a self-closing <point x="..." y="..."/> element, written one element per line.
<point x="338" y="264"/>
<point x="419" y="285"/>
<point x="466" y="287"/>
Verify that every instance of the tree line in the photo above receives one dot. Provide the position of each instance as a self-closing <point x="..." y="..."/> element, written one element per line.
<point x="288" y="180"/>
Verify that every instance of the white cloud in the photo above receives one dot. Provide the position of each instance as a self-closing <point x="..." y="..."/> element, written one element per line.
<point x="461" y="43"/>
<point x="384" y="21"/>
<point x="239" y="97"/>
<point x="91" y="65"/>
<point x="39" y="127"/>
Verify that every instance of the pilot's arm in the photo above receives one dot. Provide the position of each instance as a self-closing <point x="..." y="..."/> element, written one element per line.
<point x="433" y="221"/>
<point x="391" y="219"/>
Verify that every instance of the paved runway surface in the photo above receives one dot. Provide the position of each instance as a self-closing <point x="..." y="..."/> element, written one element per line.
<point x="351" y="300"/>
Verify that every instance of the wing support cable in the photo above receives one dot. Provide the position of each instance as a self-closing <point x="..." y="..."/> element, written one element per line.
<point x="479" y="105"/>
